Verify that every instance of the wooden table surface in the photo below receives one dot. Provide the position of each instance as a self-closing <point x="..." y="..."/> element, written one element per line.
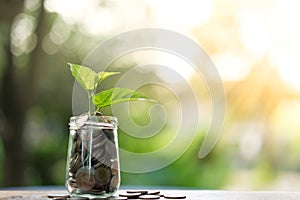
<point x="190" y="194"/>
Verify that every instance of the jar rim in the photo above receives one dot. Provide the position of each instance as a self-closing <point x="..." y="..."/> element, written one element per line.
<point x="107" y="121"/>
<point x="99" y="116"/>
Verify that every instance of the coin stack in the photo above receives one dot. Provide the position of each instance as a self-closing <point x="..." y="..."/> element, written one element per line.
<point x="93" y="166"/>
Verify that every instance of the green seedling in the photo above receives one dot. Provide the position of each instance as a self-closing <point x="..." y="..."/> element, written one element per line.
<point x="90" y="80"/>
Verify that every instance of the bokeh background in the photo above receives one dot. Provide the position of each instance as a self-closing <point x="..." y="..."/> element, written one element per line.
<point x="254" y="44"/>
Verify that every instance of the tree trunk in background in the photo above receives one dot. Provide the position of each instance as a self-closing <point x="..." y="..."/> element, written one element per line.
<point x="14" y="113"/>
<point x="17" y="94"/>
<point x="10" y="103"/>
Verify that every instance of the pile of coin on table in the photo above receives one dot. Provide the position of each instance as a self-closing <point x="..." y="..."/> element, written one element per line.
<point x="131" y="194"/>
<point x="93" y="166"/>
<point x="145" y="194"/>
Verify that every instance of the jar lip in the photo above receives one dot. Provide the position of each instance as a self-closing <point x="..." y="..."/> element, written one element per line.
<point x="108" y="121"/>
<point x="94" y="117"/>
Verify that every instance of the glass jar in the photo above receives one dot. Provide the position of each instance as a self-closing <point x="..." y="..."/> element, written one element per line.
<point x="92" y="168"/>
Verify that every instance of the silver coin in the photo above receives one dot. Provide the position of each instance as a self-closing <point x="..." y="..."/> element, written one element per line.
<point x="97" y="165"/>
<point x="52" y="195"/>
<point x="78" y="198"/>
<point x="154" y="192"/>
<point x="75" y="163"/>
<point x="149" y="196"/>
<point x="98" y="153"/>
<point x="174" y="196"/>
<point x="111" y="150"/>
<point x="81" y="120"/>
<point x="138" y="191"/>
<point x="116" y="198"/>
<point x="130" y="195"/>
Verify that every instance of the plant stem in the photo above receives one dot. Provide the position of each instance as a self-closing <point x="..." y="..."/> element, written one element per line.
<point x="91" y="105"/>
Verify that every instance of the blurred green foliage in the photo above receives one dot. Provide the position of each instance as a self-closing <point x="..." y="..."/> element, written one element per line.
<point x="188" y="170"/>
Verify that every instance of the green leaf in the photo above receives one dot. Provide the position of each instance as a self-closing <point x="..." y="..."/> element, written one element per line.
<point x="117" y="95"/>
<point x="104" y="75"/>
<point x="85" y="76"/>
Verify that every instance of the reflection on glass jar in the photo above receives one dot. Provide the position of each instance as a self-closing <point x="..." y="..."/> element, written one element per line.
<point x="93" y="162"/>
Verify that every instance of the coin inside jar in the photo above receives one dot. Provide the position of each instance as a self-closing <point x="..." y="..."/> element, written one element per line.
<point x="103" y="175"/>
<point x="115" y="168"/>
<point x="114" y="183"/>
<point x="85" y="178"/>
<point x="110" y="148"/>
<point x="85" y="134"/>
<point x="98" y="154"/>
<point x="75" y="163"/>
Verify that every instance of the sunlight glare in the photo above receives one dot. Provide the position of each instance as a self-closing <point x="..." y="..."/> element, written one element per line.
<point x="273" y="32"/>
<point x="231" y="67"/>
<point x="253" y="34"/>
<point x="71" y="11"/>
<point x="175" y="63"/>
<point x="288" y="67"/>
<point x="181" y="14"/>
<point x="102" y="21"/>
<point x="285" y="31"/>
